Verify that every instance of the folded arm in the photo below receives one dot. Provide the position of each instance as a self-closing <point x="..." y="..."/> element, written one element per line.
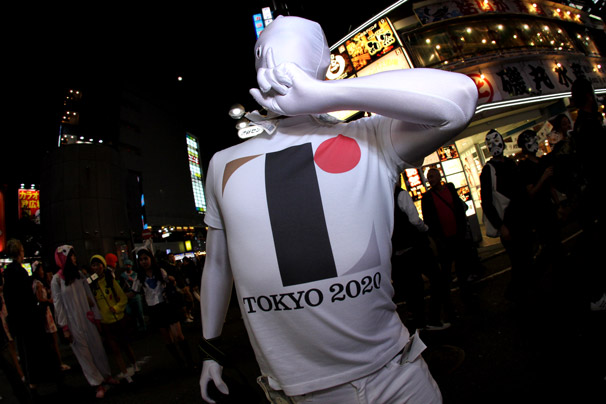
<point x="428" y="106"/>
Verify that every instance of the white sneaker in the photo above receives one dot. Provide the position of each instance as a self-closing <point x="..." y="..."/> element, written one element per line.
<point x="599" y="305"/>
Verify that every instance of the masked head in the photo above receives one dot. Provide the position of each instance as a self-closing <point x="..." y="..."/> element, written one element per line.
<point x="61" y="255"/>
<point x="296" y="40"/>
<point x="495" y="143"/>
<point x="528" y="142"/>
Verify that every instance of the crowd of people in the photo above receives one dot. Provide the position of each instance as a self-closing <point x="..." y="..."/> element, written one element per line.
<point x="526" y="200"/>
<point x="96" y="308"/>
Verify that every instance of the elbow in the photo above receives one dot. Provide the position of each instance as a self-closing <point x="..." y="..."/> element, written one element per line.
<point x="470" y="95"/>
<point x="463" y="102"/>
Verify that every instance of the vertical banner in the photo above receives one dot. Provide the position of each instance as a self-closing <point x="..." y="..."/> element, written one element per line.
<point x="29" y="204"/>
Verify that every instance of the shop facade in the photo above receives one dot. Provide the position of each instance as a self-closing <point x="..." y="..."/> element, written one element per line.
<point x="522" y="55"/>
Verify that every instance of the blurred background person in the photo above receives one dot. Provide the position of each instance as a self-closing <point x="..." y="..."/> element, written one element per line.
<point x="112" y="302"/>
<point x="163" y="316"/>
<point x="132" y="287"/>
<point x="38" y="359"/>
<point x="41" y="289"/>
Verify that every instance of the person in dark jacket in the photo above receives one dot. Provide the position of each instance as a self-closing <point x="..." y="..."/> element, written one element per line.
<point x="38" y="359"/>
<point x="514" y="225"/>
<point x="413" y="257"/>
<point x="444" y="214"/>
<point x="11" y="368"/>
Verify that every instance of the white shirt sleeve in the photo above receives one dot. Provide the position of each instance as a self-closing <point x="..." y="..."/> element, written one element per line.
<point x="407" y="206"/>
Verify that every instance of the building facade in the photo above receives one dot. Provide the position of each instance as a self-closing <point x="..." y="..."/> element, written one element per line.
<point x="523" y="56"/>
<point x="122" y="174"/>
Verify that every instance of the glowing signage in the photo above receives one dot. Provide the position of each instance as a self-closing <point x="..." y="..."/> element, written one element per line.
<point x="29" y="204"/>
<point x="371" y="50"/>
<point x="262" y="20"/>
<point x="193" y="152"/>
<point x="372" y="43"/>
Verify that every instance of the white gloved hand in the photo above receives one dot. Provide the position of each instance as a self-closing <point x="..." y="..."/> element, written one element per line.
<point x="211" y="371"/>
<point x="286" y="89"/>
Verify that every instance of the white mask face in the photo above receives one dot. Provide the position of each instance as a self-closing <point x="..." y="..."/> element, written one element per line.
<point x="495" y="143"/>
<point x="531" y="144"/>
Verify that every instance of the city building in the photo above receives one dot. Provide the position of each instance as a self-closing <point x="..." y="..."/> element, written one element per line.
<point x="125" y="170"/>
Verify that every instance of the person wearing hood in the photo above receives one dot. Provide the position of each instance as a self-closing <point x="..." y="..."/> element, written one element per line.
<point x="78" y="316"/>
<point x="111" y="260"/>
<point x="112" y="302"/>
<point x="317" y="221"/>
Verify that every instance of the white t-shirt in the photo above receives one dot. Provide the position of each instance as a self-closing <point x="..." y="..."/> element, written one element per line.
<point x="308" y="216"/>
<point x="153" y="289"/>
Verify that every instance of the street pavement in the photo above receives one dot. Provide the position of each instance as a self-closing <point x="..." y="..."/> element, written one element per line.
<point x="550" y="347"/>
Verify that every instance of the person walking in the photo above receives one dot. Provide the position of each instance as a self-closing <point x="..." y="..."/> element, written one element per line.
<point x="112" y="302"/>
<point x="78" y="316"/>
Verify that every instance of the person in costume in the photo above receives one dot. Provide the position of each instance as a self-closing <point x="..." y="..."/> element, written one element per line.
<point x="112" y="302"/>
<point x="309" y="247"/>
<point x="163" y="315"/>
<point x="78" y="315"/>
<point x="501" y="175"/>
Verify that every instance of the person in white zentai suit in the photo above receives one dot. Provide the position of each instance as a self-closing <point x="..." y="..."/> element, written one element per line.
<point x="300" y="218"/>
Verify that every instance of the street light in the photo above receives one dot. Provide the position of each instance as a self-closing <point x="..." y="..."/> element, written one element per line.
<point x="237" y="111"/>
<point x="242" y="123"/>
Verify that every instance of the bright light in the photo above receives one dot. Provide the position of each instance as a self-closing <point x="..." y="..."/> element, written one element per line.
<point x="242" y="123"/>
<point x="236" y="111"/>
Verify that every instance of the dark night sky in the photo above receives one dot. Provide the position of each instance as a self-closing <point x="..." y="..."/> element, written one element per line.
<point x="211" y="46"/>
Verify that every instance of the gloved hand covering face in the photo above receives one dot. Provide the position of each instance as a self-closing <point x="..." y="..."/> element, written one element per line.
<point x="294" y="40"/>
<point x="290" y="54"/>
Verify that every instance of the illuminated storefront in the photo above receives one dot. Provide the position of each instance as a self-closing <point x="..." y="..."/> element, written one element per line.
<point x="522" y="55"/>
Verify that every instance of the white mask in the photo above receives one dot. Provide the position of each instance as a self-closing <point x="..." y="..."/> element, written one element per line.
<point x="296" y="40"/>
<point x="495" y="143"/>
<point x="531" y="144"/>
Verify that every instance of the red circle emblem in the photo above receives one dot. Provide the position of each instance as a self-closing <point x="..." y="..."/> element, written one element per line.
<point x="338" y="154"/>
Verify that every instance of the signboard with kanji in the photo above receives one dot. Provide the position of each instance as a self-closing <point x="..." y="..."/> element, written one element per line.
<point x="29" y="204"/>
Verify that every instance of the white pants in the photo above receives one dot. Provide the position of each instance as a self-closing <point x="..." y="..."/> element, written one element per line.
<point x="405" y="379"/>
